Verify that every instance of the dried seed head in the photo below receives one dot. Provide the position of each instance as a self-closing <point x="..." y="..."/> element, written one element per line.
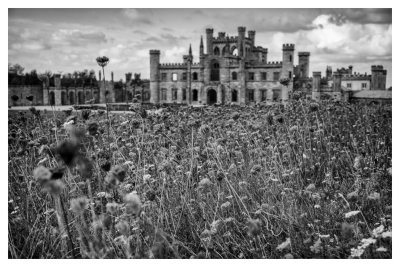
<point x="133" y="204"/>
<point x="78" y="205"/>
<point x="42" y="175"/>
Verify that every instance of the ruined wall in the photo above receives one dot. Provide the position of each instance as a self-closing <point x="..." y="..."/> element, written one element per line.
<point x="22" y="92"/>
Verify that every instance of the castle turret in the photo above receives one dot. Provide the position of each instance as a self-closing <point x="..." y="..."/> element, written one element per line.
<point x="209" y="34"/>
<point x="154" y="75"/>
<point x="337" y="82"/>
<point x="378" y="78"/>
<point x="287" y="63"/>
<point x="351" y="70"/>
<point x="304" y="64"/>
<point x="240" y="42"/>
<point x="316" y="86"/>
<point x="252" y="36"/>
<point x="189" y="62"/>
<point x="328" y="72"/>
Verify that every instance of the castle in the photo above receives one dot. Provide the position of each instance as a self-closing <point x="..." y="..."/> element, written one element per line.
<point x="233" y="70"/>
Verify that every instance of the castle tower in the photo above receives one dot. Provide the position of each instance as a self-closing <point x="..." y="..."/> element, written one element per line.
<point x="287" y="63"/>
<point x="154" y="75"/>
<point x="328" y="72"/>
<point x="209" y="34"/>
<point x="240" y="42"/>
<point x="112" y="76"/>
<point x="337" y="82"/>
<point x="304" y="64"/>
<point x="252" y="36"/>
<point x="316" y="86"/>
<point x="378" y="78"/>
<point x="351" y="70"/>
<point x="99" y="75"/>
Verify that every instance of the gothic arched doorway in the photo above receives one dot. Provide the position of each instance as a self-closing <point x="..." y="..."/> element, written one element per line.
<point x="211" y="97"/>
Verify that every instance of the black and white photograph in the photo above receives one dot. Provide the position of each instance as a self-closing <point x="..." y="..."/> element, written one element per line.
<point x="199" y="133"/>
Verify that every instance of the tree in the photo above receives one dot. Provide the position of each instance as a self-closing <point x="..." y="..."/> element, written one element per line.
<point x="137" y="82"/>
<point x="102" y="62"/>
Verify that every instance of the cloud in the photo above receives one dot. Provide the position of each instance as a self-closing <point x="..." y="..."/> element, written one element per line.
<point x="76" y="37"/>
<point x="137" y="16"/>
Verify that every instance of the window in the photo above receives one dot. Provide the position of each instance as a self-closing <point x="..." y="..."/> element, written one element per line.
<point x="174" y="94"/>
<point x="263" y="95"/>
<point x="263" y="59"/>
<point x="276" y="76"/>
<point x="364" y="85"/>
<point x="234" y="51"/>
<point x="264" y="76"/>
<point x="184" y="94"/>
<point x="195" y="95"/>
<point x="195" y="76"/>
<point x="349" y="85"/>
<point x="163" y="76"/>
<point x="214" y="71"/>
<point x="164" y="94"/>
<point x="290" y="58"/>
<point x="184" y="76"/>
<point x="251" y="76"/>
<point x="290" y="75"/>
<point x="174" y="77"/>
<point x="234" y="76"/>
<point x="251" y="95"/>
<point x="216" y="51"/>
<point x="234" y="96"/>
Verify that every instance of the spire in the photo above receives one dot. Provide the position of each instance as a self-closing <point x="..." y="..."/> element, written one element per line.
<point x="201" y="46"/>
<point x="190" y="49"/>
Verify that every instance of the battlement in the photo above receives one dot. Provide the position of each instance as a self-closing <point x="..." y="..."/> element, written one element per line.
<point x="304" y="54"/>
<point x="225" y="39"/>
<point x="154" y="52"/>
<point x="173" y="65"/>
<point x="251" y="33"/>
<point x="221" y="35"/>
<point x="316" y="74"/>
<point x="274" y="63"/>
<point x="241" y="29"/>
<point x="209" y="30"/>
<point x="376" y="68"/>
<point x="288" y="47"/>
<point x="261" y="49"/>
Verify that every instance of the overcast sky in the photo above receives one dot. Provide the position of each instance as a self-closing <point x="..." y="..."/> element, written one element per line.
<point x="64" y="40"/>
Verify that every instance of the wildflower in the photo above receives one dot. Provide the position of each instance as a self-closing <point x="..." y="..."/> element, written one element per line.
<point x="310" y="187"/>
<point x="112" y="207"/>
<point x="225" y="205"/>
<point x="78" y="205"/>
<point x="316" y="248"/>
<point x="146" y="178"/>
<point x="54" y="187"/>
<point x="358" y="162"/>
<point x="253" y="227"/>
<point x="116" y="175"/>
<point x="92" y="128"/>
<point x="374" y="196"/>
<point x="133" y="204"/>
<point x="284" y="245"/>
<point x="42" y="174"/>
<point x="351" y="214"/>
<point x="204" y="184"/>
<point x="67" y="151"/>
<point x="123" y="228"/>
<point x="85" y="167"/>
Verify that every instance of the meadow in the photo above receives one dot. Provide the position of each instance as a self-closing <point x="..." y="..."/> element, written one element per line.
<point x="306" y="180"/>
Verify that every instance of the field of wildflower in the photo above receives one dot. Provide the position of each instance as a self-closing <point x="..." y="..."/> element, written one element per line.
<point x="305" y="180"/>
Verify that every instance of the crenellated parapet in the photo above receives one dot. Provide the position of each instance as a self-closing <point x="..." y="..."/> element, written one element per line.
<point x="225" y="39"/>
<point x="288" y="47"/>
<point x="173" y="66"/>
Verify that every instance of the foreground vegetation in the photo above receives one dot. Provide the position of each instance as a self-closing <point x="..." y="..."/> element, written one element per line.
<point x="303" y="181"/>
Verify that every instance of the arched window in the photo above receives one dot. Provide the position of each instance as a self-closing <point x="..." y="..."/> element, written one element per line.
<point x="234" y="76"/>
<point x="214" y="71"/>
<point x="63" y="98"/>
<point x="234" y="51"/>
<point x="234" y="96"/>
<point x="71" y="98"/>
<point x="195" y="95"/>
<point x="52" y="99"/>
<point x="80" y="97"/>
<point x="183" y="94"/>
<point x="225" y="50"/>
<point x="195" y="76"/>
<point x="216" y="51"/>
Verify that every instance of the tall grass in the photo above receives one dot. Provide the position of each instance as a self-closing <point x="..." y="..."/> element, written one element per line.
<point x="306" y="180"/>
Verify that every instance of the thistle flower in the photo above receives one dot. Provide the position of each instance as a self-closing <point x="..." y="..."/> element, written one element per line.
<point x="253" y="227"/>
<point x="42" y="174"/>
<point x="116" y="175"/>
<point x="92" y="128"/>
<point x="112" y="207"/>
<point x="67" y="151"/>
<point x="123" y="228"/>
<point x="78" y="205"/>
<point x="133" y="204"/>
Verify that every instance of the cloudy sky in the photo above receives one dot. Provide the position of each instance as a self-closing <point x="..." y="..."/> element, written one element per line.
<point x="64" y="40"/>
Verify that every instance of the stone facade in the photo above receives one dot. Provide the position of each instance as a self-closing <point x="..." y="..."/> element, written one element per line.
<point x="233" y="70"/>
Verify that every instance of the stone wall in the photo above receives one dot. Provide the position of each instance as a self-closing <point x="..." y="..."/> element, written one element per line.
<point x="22" y="92"/>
